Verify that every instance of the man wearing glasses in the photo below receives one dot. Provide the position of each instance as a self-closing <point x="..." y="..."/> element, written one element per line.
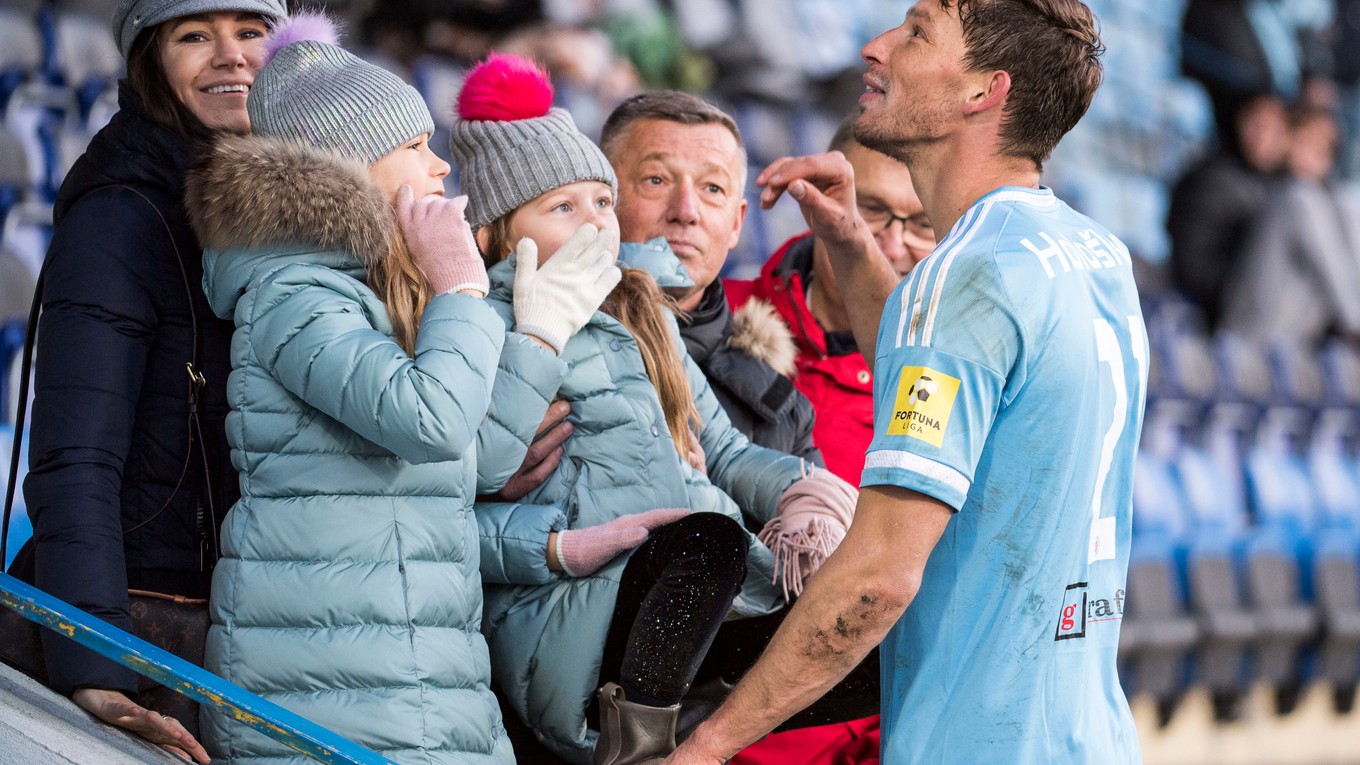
<point x="797" y="284"/>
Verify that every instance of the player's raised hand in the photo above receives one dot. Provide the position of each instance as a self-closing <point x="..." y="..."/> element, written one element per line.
<point x="824" y="187"/>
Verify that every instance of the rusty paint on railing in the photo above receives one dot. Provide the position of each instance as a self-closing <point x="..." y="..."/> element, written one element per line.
<point x="179" y="675"/>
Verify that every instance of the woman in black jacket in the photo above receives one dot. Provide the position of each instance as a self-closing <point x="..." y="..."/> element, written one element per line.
<point x="129" y="468"/>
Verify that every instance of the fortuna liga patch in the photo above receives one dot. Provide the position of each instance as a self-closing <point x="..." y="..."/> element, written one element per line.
<point x="925" y="399"/>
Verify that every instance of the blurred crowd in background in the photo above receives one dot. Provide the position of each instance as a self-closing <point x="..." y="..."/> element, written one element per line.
<point x="1217" y="121"/>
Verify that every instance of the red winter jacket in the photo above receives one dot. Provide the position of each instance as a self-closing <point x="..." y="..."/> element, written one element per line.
<point x="841" y="388"/>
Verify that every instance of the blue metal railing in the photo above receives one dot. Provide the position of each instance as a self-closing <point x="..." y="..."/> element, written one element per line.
<point x="177" y="674"/>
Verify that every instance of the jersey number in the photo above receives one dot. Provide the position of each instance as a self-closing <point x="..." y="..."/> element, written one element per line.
<point x="1108" y="351"/>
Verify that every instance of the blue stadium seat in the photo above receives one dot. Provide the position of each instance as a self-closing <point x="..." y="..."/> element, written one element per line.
<point x="767" y="130"/>
<point x="27" y="232"/>
<point x="87" y="59"/>
<point x="1332" y="459"/>
<point x="1184" y="563"/>
<point x="37" y="113"/>
<point x="1158" y="633"/>
<point x="1277" y="553"/>
<point x="15" y="178"/>
<point x="20" y="528"/>
<point x="11" y="343"/>
<point x="21" y="53"/>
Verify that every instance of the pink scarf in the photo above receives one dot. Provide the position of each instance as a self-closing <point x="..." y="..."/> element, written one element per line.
<point x="814" y="514"/>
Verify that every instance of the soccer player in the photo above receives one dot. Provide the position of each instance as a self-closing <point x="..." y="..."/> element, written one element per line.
<point x="990" y="543"/>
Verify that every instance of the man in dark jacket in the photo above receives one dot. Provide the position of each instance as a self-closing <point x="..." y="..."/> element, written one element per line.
<point x="681" y="165"/>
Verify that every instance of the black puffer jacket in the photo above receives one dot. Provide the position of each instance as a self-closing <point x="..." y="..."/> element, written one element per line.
<point x="117" y="496"/>
<point x="761" y="402"/>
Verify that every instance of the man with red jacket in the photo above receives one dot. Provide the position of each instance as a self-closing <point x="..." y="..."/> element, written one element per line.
<point x="798" y="287"/>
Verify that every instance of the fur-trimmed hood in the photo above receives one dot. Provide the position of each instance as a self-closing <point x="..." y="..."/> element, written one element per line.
<point x="256" y="203"/>
<point x="758" y="331"/>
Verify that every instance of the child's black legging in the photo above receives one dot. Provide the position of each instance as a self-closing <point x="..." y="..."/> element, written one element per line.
<point x="676" y="589"/>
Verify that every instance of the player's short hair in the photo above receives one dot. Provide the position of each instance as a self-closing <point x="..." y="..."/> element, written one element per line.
<point x="1051" y="49"/>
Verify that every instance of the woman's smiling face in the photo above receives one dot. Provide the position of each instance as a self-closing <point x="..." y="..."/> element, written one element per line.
<point x="210" y="61"/>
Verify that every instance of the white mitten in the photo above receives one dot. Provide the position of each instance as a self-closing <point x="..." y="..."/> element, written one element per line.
<point x="554" y="301"/>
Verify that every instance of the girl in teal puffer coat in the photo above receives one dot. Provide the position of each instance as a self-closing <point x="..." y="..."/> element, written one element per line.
<point x="653" y="464"/>
<point x="363" y="361"/>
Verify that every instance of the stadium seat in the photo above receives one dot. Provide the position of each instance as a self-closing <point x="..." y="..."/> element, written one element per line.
<point x="1278" y="551"/>
<point x="87" y="58"/>
<point x="1158" y="633"/>
<point x="1184" y="418"/>
<point x="36" y="114"/>
<point x="1184" y="589"/>
<point x="16" y="291"/>
<point x="14" y="173"/>
<point x="101" y="111"/>
<point x="20" y="528"/>
<point x="1336" y="569"/>
<point x="21" y="52"/>
<point x="27" y="232"/>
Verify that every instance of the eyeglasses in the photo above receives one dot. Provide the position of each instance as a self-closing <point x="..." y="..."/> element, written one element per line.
<point x="915" y="228"/>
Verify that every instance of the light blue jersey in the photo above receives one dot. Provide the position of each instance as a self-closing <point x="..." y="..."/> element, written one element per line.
<point x="1009" y="384"/>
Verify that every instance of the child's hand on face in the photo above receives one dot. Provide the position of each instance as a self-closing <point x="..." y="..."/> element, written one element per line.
<point x="553" y="302"/>
<point x="438" y="236"/>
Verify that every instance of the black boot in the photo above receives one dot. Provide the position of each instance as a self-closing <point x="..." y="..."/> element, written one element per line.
<point x="633" y="734"/>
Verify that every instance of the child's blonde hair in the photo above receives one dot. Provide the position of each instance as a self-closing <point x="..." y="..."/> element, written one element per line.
<point x="404" y="289"/>
<point x="638" y="305"/>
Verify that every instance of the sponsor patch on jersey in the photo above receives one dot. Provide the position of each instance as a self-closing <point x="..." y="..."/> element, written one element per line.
<point x="1083" y="609"/>
<point x="925" y="399"/>
<point x="1072" y="619"/>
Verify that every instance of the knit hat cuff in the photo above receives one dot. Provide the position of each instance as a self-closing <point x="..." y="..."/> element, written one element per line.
<point x="376" y="131"/>
<point x="324" y="96"/>
<point x="502" y="165"/>
<point x="133" y="16"/>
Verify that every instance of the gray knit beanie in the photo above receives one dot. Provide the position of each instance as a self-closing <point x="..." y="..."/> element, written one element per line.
<point x="132" y="16"/>
<point x="322" y="95"/>
<point x="507" y="161"/>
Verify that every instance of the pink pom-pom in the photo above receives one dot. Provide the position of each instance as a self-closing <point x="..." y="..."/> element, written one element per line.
<point x="505" y="88"/>
<point x="303" y="25"/>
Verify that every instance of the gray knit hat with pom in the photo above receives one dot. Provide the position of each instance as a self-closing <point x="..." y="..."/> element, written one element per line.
<point x="314" y="92"/>
<point x="510" y="147"/>
<point x="133" y="16"/>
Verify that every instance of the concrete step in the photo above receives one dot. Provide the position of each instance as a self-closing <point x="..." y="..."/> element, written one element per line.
<point x="38" y="727"/>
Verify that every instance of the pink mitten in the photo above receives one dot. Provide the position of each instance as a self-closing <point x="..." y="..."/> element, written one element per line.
<point x="583" y="551"/>
<point x="439" y="239"/>
<point x="814" y="514"/>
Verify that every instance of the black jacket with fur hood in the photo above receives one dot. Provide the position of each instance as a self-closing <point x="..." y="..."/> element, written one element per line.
<point x="736" y="358"/>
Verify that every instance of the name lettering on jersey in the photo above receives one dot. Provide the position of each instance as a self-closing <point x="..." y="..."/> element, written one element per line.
<point x="1079" y="610"/>
<point x="1095" y="251"/>
<point x="925" y="399"/>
